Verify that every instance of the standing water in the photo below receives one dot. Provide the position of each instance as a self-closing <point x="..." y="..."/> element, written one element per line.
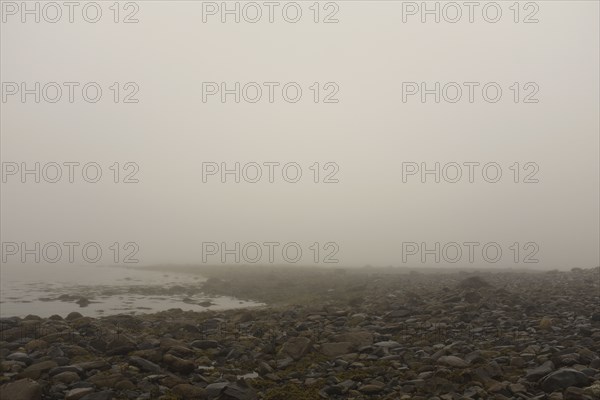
<point x="96" y="291"/>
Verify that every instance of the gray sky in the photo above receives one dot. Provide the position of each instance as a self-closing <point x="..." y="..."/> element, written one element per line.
<point x="368" y="134"/>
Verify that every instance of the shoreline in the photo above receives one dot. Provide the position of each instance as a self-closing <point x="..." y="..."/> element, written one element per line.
<point x="416" y="336"/>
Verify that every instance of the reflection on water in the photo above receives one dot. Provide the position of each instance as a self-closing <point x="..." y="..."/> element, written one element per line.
<point x="95" y="291"/>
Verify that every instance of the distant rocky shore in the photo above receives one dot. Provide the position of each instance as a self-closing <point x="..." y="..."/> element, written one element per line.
<point x="327" y="334"/>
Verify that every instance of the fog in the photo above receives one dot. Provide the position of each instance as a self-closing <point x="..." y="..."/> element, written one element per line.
<point x="363" y="210"/>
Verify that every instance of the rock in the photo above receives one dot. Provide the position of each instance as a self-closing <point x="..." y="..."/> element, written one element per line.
<point x="105" y="380"/>
<point x="264" y="368"/>
<point x="215" y="389"/>
<point x="177" y="364"/>
<point x="453" y="361"/>
<point x="66" y="377"/>
<point x="104" y="395"/>
<point x="358" y="339"/>
<point x="336" y="349"/>
<point x="239" y="391"/>
<point x="96" y="364"/>
<point x="535" y="374"/>
<point x="575" y="393"/>
<point x="187" y="391"/>
<point x="562" y="379"/>
<point x="36" y="344"/>
<point x="473" y="282"/>
<point x="125" y="384"/>
<point x="402" y="313"/>
<point x="78" y="393"/>
<point x="296" y="347"/>
<point x="390" y="344"/>
<point x="205" y="344"/>
<point x="517" y="388"/>
<point x="144" y="364"/>
<point x="66" y="368"/>
<point x="21" y="357"/>
<point x="73" y="316"/>
<point x="472" y="296"/>
<point x="593" y="390"/>
<point x="24" y="389"/>
<point x="34" y="371"/>
<point x="83" y="302"/>
<point x="120" y="345"/>
<point x="371" y="389"/>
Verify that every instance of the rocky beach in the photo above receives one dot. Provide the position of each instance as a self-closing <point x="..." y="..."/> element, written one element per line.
<point x="366" y="333"/>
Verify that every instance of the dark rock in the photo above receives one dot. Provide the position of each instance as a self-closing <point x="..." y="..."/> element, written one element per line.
<point x="562" y="379"/>
<point x="73" y="316"/>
